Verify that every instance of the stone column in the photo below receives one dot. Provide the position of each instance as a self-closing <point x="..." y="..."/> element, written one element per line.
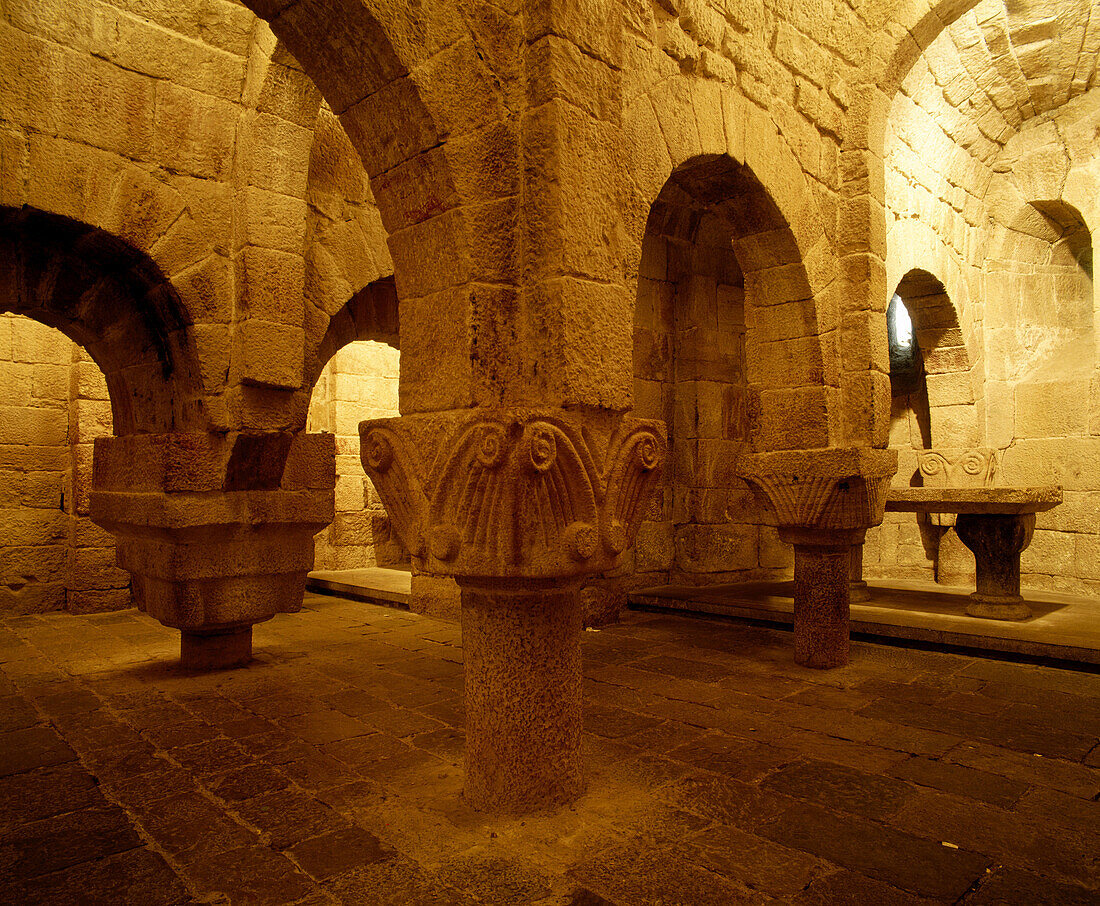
<point x="997" y="540"/>
<point x="821" y="594"/>
<point x="522" y="653"/>
<point x="518" y="506"/>
<point x="824" y="501"/>
<point x="216" y="530"/>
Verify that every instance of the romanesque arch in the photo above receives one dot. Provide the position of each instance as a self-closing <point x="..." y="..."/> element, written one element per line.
<point x="947" y="383"/>
<point x="423" y="109"/>
<point x="115" y="302"/>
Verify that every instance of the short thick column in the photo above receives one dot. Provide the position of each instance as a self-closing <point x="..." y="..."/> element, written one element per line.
<point x="521" y="647"/>
<point x="822" y="561"/>
<point x="997" y="541"/>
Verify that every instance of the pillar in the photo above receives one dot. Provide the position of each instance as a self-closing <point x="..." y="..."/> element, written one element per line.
<point x="216" y="530"/>
<point x="216" y="650"/>
<point x="997" y="540"/>
<point x="522" y="653"/>
<point x="519" y="506"/>
<point x="824" y="501"/>
<point x="821" y="595"/>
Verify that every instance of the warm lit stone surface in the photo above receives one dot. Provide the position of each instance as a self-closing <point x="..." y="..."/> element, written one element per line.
<point x="718" y="771"/>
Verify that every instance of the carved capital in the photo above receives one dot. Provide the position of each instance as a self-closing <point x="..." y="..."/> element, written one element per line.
<point x="832" y="490"/>
<point x="944" y="468"/>
<point x="216" y="530"/>
<point x="529" y="494"/>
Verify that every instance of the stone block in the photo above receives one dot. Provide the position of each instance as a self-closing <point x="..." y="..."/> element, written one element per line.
<point x="40" y="427"/>
<point x="794" y="419"/>
<point x="42" y="490"/>
<point x="349" y="494"/>
<point x="34" y="598"/>
<point x="1051" y="408"/>
<point x="33" y="527"/>
<point x="135" y="44"/>
<point x="51" y="382"/>
<point x="955" y="426"/>
<point x="92" y="568"/>
<point x="36" y="344"/>
<point x="16" y="383"/>
<point x="273" y="151"/>
<point x="88" y="381"/>
<point x="88" y="420"/>
<point x="653" y="549"/>
<point x="207" y="291"/>
<point x="98" y="600"/>
<point x="1051" y="554"/>
<point x="22" y="565"/>
<point x="716" y="548"/>
<point x="1086" y="556"/>
<point x="270" y="285"/>
<point x="274" y="221"/>
<point x="85" y="533"/>
<point x="269" y="354"/>
<point x="795" y="362"/>
<point x="194" y="132"/>
<point x="27" y="457"/>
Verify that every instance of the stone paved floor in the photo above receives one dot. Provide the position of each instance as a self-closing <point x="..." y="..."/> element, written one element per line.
<point x="720" y="773"/>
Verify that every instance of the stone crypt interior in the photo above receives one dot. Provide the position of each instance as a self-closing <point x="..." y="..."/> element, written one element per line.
<point x="558" y="452"/>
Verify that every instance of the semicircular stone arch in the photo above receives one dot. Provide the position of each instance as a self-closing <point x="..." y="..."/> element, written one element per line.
<point x="114" y="301"/>
<point x="370" y="314"/>
<point x="425" y="112"/>
<point x="953" y="388"/>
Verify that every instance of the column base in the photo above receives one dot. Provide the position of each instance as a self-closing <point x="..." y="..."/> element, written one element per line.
<point x="216" y="650"/>
<point x="998" y="608"/>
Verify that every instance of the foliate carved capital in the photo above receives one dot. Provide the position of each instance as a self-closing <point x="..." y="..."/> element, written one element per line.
<point x="837" y="489"/>
<point x="514" y="493"/>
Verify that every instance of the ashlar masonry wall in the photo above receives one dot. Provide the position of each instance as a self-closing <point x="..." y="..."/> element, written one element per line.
<point x="359" y="382"/>
<point x="53" y="404"/>
<point x="689" y="363"/>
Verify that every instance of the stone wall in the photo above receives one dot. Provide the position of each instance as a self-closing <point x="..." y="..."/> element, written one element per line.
<point x="359" y="382"/>
<point x="991" y="187"/>
<point x="690" y="371"/>
<point x="53" y="403"/>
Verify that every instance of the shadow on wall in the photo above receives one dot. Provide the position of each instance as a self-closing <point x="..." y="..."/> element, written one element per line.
<point x="53" y="403"/>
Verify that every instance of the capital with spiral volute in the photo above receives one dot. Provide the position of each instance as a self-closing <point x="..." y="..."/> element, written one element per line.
<point x="521" y="494"/>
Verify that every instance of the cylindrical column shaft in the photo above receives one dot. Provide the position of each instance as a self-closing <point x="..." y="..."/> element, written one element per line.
<point x="997" y="541"/>
<point x="821" y="608"/>
<point x="522" y="655"/>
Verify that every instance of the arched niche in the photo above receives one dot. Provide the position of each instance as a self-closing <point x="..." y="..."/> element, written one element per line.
<point x="728" y="352"/>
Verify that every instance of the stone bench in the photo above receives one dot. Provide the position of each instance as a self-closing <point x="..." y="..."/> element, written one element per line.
<point x="996" y="524"/>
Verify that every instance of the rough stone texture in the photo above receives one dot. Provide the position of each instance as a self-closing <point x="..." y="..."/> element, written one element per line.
<point x="359" y="382"/>
<point x="824" y="502"/>
<point x="522" y="660"/>
<point x="717" y="771"/>
<point x="701" y="208"/>
<point x="53" y="403"/>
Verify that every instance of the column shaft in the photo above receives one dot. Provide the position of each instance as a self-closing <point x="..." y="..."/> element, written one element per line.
<point x="821" y="611"/>
<point x="523" y="697"/>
